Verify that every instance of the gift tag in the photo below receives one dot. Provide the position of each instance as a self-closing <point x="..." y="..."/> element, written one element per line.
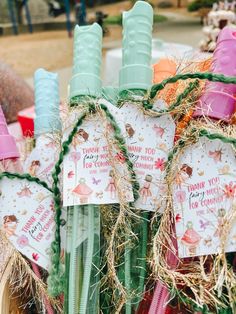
<point x="27" y="218"/>
<point x="89" y="174"/>
<point x="149" y="141"/>
<point x="40" y="163"/>
<point x="204" y="199"/>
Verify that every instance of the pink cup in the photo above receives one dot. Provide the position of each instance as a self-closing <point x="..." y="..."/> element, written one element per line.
<point x="218" y="101"/>
<point x="8" y="147"/>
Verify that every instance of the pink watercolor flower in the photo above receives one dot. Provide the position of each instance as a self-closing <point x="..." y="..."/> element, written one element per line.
<point x="180" y="196"/>
<point x="22" y="241"/>
<point x="35" y="256"/>
<point x="160" y="164"/>
<point x="70" y="174"/>
<point x="159" y="130"/>
<point x="75" y="156"/>
<point x="230" y="190"/>
<point x="178" y="218"/>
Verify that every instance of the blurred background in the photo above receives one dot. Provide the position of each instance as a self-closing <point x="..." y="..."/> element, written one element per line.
<point x="39" y="33"/>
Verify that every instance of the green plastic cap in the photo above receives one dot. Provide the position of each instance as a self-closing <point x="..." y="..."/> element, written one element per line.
<point x="47" y="100"/>
<point x="136" y="72"/>
<point x="86" y="79"/>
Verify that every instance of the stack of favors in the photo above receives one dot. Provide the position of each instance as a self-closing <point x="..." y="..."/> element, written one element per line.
<point x="127" y="202"/>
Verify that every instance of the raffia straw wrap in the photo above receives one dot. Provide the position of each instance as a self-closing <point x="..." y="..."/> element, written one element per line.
<point x="18" y="281"/>
<point x="191" y="277"/>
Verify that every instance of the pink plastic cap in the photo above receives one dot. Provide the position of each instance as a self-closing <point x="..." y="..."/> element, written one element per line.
<point x="8" y="147"/>
<point x="219" y="100"/>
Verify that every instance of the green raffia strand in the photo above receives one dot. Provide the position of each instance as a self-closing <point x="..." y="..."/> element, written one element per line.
<point x="24" y="176"/>
<point x="56" y="279"/>
<point x="216" y="136"/>
<point x="135" y="185"/>
<point x="125" y="97"/>
<point x="202" y="133"/>
<point x="131" y="95"/>
<point x="124" y="150"/>
<point x="192" y="85"/>
<point x="118" y="136"/>
<point x="202" y="76"/>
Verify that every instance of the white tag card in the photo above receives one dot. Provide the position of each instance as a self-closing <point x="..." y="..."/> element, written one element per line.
<point x="149" y="140"/>
<point x="204" y="195"/>
<point x="89" y="177"/>
<point x="27" y="218"/>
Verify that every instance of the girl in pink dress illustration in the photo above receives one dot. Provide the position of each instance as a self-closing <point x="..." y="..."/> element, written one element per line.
<point x="111" y="185"/>
<point x="145" y="191"/>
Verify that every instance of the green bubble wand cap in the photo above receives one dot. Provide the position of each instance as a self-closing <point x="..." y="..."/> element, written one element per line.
<point x="86" y="79"/>
<point x="136" y="72"/>
<point x="47" y="102"/>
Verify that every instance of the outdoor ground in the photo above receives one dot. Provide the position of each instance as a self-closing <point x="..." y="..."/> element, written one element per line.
<point x="53" y="50"/>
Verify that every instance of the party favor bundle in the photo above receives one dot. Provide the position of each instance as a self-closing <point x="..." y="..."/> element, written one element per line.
<point x="127" y="203"/>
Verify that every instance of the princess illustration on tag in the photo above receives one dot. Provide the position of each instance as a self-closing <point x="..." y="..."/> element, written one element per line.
<point x="111" y="185"/>
<point x="129" y="130"/>
<point x="34" y="167"/>
<point x="145" y="191"/>
<point x="191" y="239"/>
<point x="83" y="191"/>
<point x="10" y="223"/>
<point x="183" y="175"/>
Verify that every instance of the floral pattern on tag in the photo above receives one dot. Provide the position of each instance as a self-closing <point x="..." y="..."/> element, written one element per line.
<point x="89" y="176"/>
<point x="204" y="197"/>
<point x="149" y="140"/>
<point x="27" y="218"/>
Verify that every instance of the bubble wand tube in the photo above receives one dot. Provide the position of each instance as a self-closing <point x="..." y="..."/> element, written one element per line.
<point x="84" y="247"/>
<point x="135" y="79"/>
<point x="47" y="127"/>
